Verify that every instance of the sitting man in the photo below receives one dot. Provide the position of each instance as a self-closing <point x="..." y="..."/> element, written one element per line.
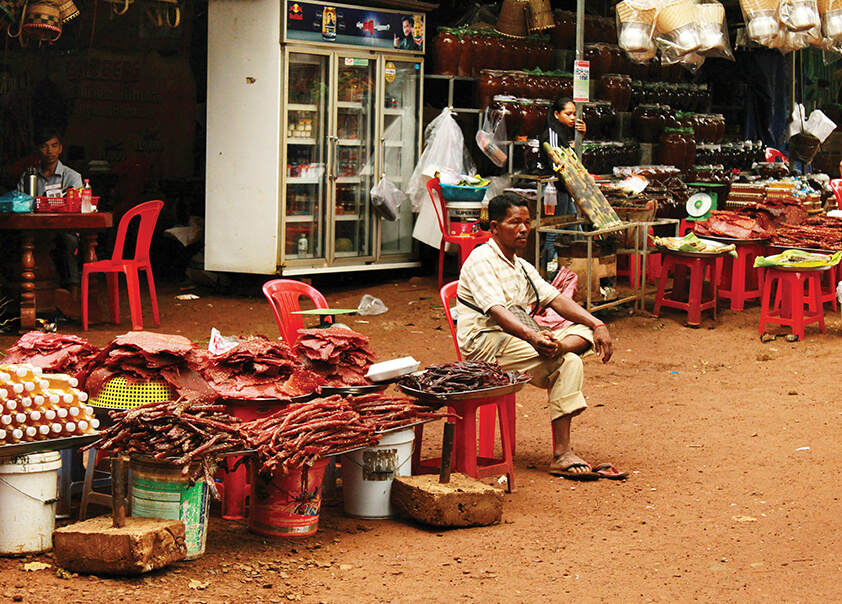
<point x="493" y="283"/>
<point x="53" y="179"/>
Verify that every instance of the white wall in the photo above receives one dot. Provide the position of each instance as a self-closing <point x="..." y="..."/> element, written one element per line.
<point x="243" y="138"/>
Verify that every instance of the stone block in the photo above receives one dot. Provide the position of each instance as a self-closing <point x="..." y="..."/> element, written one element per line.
<point x="464" y="501"/>
<point x="95" y="547"/>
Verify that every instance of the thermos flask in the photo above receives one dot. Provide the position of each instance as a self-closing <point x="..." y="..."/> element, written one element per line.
<point x="31" y="181"/>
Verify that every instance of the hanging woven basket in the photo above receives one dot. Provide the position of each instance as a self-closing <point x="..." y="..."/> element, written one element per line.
<point x="67" y="10"/>
<point x="41" y="21"/>
<point x="512" y="19"/>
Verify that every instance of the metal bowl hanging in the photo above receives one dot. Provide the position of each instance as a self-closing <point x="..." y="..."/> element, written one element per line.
<point x="41" y="21"/>
<point x="173" y="19"/>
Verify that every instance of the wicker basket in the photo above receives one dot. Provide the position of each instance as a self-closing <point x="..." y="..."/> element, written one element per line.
<point x="540" y="15"/>
<point x="512" y="19"/>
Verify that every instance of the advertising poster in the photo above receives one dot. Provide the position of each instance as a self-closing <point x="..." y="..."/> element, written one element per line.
<point x="355" y="26"/>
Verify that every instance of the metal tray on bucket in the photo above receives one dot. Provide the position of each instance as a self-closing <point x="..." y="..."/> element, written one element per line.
<point x="354" y="390"/>
<point x="42" y="446"/>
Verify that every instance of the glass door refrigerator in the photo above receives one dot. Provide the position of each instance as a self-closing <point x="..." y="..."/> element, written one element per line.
<point x="351" y="114"/>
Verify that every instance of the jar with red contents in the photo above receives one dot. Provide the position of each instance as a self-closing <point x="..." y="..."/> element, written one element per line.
<point x="520" y="89"/>
<point x="488" y="86"/>
<point x="719" y="121"/>
<point x="482" y="47"/>
<point x="466" y="53"/>
<point x="566" y="86"/>
<point x="672" y="148"/>
<point x="446" y="52"/>
<point x="564" y="33"/>
<point x="546" y="54"/>
<point x="506" y="83"/>
<point x="532" y="120"/>
<point x="613" y="90"/>
<point x="494" y="50"/>
<point x="508" y="108"/>
<point x="534" y="88"/>
<point x="647" y="123"/>
<point x="689" y="149"/>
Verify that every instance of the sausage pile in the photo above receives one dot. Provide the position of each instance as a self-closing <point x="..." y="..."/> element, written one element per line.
<point x="462" y="376"/>
<point x="183" y="431"/>
<point x="300" y="434"/>
<point x="386" y="412"/>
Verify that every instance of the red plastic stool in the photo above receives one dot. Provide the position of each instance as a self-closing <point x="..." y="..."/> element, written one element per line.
<point x="628" y="265"/>
<point x="788" y="309"/>
<point x="681" y="297"/>
<point x="235" y="482"/>
<point x="465" y="457"/>
<point x="739" y="280"/>
<point x="829" y="280"/>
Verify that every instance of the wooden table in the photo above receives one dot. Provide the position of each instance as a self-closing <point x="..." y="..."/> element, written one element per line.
<point x="86" y="224"/>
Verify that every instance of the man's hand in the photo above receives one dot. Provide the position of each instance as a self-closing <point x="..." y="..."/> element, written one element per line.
<point x="603" y="345"/>
<point x="544" y="342"/>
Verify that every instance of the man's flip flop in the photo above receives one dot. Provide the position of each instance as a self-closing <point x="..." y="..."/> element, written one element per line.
<point x="565" y="471"/>
<point x="607" y="470"/>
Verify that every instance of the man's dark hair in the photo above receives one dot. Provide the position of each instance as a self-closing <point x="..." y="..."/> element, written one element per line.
<point x="409" y="18"/>
<point x="499" y="206"/>
<point x="42" y="135"/>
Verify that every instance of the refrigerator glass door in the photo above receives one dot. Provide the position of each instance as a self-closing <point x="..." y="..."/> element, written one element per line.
<point x="306" y="141"/>
<point x="353" y="170"/>
<point x="399" y="142"/>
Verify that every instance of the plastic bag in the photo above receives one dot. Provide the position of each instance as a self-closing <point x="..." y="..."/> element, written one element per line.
<point x="713" y="30"/>
<point x="386" y="198"/>
<point x="15" y="201"/>
<point x="550" y="199"/>
<point x="444" y="148"/>
<point x="676" y="32"/>
<point x="369" y="305"/>
<point x="491" y="137"/>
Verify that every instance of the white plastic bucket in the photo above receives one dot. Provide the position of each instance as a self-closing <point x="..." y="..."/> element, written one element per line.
<point x="367" y="475"/>
<point x="464" y="211"/>
<point x="28" y="496"/>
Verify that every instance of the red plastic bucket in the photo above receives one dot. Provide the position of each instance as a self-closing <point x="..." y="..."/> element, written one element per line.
<point x="286" y="506"/>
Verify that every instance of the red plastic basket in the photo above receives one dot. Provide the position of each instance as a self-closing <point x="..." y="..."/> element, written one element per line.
<point x="61" y="204"/>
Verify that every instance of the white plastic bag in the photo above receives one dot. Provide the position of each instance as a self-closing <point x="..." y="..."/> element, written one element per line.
<point x="444" y="149"/>
<point x="369" y="305"/>
<point x="386" y="198"/>
<point x="491" y="138"/>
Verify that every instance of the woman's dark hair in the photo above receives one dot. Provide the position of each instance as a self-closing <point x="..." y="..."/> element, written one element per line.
<point x="561" y="102"/>
<point x="499" y="206"/>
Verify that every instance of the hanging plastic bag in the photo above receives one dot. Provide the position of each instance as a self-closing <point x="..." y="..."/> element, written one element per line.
<point x="676" y="31"/>
<point x="550" y="199"/>
<point x="799" y="15"/>
<point x="444" y="148"/>
<point x="386" y="198"/>
<point x="760" y="17"/>
<point x="491" y="137"/>
<point x="713" y="30"/>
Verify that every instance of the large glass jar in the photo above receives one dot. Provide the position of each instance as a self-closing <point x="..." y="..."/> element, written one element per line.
<point x="466" y="53"/>
<point x="532" y="120"/>
<point x="689" y="149"/>
<point x="510" y="110"/>
<point x="719" y="121"/>
<point x="671" y="148"/>
<point x="446" y="52"/>
<point x="494" y="50"/>
<point x="506" y="83"/>
<point x="507" y="53"/>
<point x="599" y="57"/>
<point x="611" y="90"/>
<point x="546" y="54"/>
<point x="482" y="46"/>
<point x="564" y="33"/>
<point x="534" y="89"/>
<point x="544" y="107"/>
<point x="647" y="123"/>
<point x="607" y="119"/>
<point x="566" y="86"/>
<point x="488" y="86"/>
<point x="589" y="113"/>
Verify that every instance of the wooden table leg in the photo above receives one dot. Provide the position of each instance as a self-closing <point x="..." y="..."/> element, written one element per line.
<point x="27" y="287"/>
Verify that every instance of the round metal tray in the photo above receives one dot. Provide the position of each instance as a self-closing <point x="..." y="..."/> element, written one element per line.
<point x="801" y="269"/>
<point x="264" y="402"/>
<point x="446" y="397"/>
<point x="353" y="390"/>
<point x="735" y="241"/>
<point x="663" y="249"/>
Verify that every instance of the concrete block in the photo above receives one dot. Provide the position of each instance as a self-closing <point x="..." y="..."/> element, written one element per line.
<point x="95" y="547"/>
<point x="464" y="501"/>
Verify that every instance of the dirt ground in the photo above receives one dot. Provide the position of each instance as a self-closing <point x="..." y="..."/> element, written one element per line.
<point x="733" y="445"/>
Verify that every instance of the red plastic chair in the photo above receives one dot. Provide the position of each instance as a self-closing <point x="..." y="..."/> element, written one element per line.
<point x="450" y="234"/>
<point x="773" y="155"/>
<point x="148" y="214"/>
<point x="448" y="296"/>
<point x="284" y="295"/>
<point x="836" y="187"/>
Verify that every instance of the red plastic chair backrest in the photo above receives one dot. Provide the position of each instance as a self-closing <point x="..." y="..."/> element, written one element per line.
<point x="448" y="295"/>
<point x="836" y="187"/>
<point x="284" y="295"/>
<point x="434" y="189"/>
<point x="148" y="212"/>
<point x="775" y="155"/>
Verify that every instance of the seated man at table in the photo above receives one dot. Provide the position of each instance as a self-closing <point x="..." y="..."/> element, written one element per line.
<point x="53" y="179"/>
<point x="494" y="284"/>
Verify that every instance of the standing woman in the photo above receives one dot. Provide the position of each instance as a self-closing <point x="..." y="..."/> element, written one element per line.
<point x="560" y="132"/>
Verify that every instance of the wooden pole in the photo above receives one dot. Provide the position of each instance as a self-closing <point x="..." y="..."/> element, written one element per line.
<point x="446" y="452"/>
